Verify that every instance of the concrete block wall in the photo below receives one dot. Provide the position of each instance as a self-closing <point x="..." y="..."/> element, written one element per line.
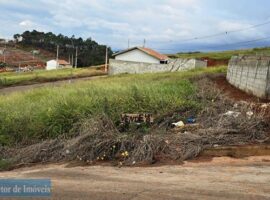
<point x="120" y="67"/>
<point x="250" y="74"/>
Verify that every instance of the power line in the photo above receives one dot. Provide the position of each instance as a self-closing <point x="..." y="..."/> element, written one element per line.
<point x="218" y="34"/>
<point x="230" y="44"/>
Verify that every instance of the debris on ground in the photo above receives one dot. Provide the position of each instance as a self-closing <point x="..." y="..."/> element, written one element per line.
<point x="250" y="114"/>
<point x="178" y="124"/>
<point x="191" y="120"/>
<point x="219" y="123"/>
<point x="232" y="113"/>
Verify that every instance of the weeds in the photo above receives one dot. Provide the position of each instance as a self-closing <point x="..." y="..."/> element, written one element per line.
<point x="5" y="165"/>
<point x="50" y="112"/>
<point x="95" y="138"/>
<point x="25" y="78"/>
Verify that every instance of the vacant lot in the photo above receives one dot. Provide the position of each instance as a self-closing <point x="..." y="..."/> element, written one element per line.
<point x="82" y="121"/>
<point x="50" y="112"/>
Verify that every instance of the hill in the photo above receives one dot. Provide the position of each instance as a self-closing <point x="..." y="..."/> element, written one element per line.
<point x="15" y="56"/>
<point x="89" y="51"/>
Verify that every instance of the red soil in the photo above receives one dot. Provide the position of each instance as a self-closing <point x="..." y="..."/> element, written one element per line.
<point x="215" y="62"/>
<point x="235" y="93"/>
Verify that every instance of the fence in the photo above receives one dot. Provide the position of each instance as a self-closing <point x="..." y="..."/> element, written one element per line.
<point x="120" y="67"/>
<point x="251" y="74"/>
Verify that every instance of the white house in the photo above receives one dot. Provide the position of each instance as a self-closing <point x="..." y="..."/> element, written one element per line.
<point x="57" y="64"/>
<point x="141" y="54"/>
<point x="139" y="60"/>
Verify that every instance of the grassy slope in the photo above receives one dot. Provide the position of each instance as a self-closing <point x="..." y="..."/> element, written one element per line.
<point x="23" y="78"/>
<point x="48" y="112"/>
<point x="222" y="55"/>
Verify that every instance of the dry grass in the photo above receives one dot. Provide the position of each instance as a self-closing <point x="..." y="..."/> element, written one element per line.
<point x="98" y="139"/>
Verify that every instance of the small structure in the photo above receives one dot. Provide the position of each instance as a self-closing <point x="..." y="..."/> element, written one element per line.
<point x="57" y="64"/>
<point x="141" y="54"/>
<point x="139" y="60"/>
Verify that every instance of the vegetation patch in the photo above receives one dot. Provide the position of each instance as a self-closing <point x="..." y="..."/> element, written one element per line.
<point x="221" y="55"/>
<point x="49" y="112"/>
<point x="5" y="164"/>
<point x="40" y="76"/>
<point x="219" y="122"/>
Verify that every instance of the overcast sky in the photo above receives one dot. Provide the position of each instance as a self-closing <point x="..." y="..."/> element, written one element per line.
<point x="163" y="23"/>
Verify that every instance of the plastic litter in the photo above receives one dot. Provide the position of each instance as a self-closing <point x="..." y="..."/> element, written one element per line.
<point x="191" y="120"/>
<point x="178" y="124"/>
<point x="232" y="113"/>
<point x="250" y="114"/>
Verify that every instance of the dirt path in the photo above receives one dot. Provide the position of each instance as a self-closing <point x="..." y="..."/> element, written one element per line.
<point x="8" y="90"/>
<point x="218" y="178"/>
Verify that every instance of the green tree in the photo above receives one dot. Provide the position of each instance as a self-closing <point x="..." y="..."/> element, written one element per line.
<point x="89" y="51"/>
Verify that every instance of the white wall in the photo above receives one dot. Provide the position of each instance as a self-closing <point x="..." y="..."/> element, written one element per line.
<point x="120" y="67"/>
<point x="137" y="55"/>
<point x="52" y="64"/>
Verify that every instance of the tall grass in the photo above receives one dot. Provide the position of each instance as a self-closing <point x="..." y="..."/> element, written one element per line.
<point x="23" y="78"/>
<point x="49" y="112"/>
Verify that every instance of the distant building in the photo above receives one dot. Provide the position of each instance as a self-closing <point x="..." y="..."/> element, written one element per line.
<point x="57" y="64"/>
<point x="140" y="60"/>
<point x="141" y="54"/>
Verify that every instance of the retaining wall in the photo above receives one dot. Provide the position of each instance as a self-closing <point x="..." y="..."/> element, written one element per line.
<point x="120" y="67"/>
<point x="251" y="74"/>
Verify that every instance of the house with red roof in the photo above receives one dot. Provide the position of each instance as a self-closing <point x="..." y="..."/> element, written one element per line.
<point x="138" y="60"/>
<point x="141" y="54"/>
<point x="57" y="64"/>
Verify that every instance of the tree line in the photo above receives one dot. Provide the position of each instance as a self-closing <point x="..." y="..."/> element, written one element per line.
<point x="89" y="52"/>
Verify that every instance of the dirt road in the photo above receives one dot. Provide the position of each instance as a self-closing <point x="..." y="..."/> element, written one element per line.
<point x="8" y="90"/>
<point x="219" y="178"/>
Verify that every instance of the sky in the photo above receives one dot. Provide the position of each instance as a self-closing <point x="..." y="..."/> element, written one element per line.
<point x="164" y="24"/>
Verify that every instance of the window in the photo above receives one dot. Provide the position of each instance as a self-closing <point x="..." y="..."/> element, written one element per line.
<point x="164" y="62"/>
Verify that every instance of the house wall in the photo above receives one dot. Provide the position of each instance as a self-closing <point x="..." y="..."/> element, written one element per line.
<point x="64" y="67"/>
<point x="137" y="55"/>
<point x="120" y="67"/>
<point x="52" y="64"/>
<point x="250" y="74"/>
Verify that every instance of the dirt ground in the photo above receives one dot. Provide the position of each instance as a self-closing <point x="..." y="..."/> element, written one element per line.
<point x="235" y="93"/>
<point x="217" y="178"/>
<point x="8" y="90"/>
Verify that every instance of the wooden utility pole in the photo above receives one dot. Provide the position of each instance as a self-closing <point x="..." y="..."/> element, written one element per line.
<point x="57" y="53"/>
<point x="128" y="43"/>
<point x="72" y="61"/>
<point x="4" y="52"/>
<point x="76" y="58"/>
<point x="106" y="60"/>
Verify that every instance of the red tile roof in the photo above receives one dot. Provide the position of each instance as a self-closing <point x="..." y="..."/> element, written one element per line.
<point x="63" y="62"/>
<point x="153" y="53"/>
